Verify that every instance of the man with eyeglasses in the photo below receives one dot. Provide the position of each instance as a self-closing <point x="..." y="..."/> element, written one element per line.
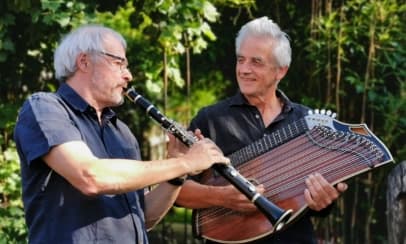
<point x="82" y="176"/>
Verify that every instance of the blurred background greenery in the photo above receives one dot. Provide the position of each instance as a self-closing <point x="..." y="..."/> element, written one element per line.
<point x="348" y="56"/>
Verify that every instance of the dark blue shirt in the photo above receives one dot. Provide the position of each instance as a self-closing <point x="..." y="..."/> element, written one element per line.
<point x="55" y="211"/>
<point x="233" y="124"/>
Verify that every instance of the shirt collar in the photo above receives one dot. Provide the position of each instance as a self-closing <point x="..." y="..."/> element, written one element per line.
<point x="239" y="100"/>
<point x="72" y="98"/>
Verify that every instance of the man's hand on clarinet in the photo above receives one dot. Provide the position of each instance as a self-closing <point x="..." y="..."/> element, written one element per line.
<point x="200" y="156"/>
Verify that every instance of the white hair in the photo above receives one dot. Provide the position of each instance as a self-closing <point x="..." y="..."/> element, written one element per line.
<point x="265" y="27"/>
<point x="85" y="39"/>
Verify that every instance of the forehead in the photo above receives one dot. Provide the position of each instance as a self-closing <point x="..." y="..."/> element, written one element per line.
<point x="114" y="46"/>
<point x="255" y="47"/>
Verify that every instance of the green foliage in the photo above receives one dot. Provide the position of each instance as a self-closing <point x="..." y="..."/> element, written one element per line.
<point x="30" y="31"/>
<point x="160" y="35"/>
<point x="12" y="224"/>
<point x="179" y="215"/>
<point x="358" y="61"/>
<point x="350" y="58"/>
<point x="357" y="48"/>
<point x="162" y="28"/>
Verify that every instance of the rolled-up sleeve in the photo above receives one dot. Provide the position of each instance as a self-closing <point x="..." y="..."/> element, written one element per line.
<point x="42" y="124"/>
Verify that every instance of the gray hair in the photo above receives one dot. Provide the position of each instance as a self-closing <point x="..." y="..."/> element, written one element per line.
<point x="265" y="27"/>
<point x="85" y="39"/>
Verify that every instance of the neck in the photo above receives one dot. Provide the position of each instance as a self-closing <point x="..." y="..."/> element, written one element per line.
<point x="86" y="94"/>
<point x="269" y="106"/>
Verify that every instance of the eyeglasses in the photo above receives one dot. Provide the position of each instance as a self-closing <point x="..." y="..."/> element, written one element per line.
<point x="122" y="64"/>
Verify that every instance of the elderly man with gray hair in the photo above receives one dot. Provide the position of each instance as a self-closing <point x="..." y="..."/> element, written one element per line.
<point x="263" y="56"/>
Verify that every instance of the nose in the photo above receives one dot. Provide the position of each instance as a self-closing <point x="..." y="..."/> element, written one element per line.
<point x="127" y="76"/>
<point x="244" y="67"/>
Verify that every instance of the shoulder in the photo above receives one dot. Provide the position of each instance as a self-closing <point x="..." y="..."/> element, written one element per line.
<point x="210" y="113"/>
<point x="300" y="108"/>
<point x="295" y="108"/>
<point x="42" y="100"/>
<point x="216" y="108"/>
<point x="43" y="97"/>
<point x="38" y="99"/>
<point x="42" y="105"/>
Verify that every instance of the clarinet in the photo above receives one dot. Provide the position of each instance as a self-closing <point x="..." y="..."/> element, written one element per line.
<point x="277" y="216"/>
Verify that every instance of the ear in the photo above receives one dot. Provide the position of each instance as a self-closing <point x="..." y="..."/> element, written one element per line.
<point x="281" y="72"/>
<point x="83" y="62"/>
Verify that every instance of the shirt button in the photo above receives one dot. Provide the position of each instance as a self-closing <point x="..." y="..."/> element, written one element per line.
<point x="257" y="116"/>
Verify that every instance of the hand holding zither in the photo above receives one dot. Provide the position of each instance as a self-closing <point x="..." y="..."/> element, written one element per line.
<point x="320" y="193"/>
<point x="202" y="155"/>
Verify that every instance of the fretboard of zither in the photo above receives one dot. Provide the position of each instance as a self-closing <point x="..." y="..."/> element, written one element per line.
<point x="268" y="142"/>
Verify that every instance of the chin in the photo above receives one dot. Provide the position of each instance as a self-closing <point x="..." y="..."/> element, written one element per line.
<point x="248" y="92"/>
<point x="117" y="101"/>
<point x="120" y="101"/>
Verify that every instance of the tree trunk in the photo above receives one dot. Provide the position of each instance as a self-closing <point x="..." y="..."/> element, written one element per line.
<point x="396" y="204"/>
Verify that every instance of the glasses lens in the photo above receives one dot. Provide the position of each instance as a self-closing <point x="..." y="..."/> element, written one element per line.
<point x="122" y="65"/>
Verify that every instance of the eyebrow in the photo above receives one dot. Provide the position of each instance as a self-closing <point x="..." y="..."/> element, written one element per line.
<point x="258" y="59"/>
<point x="252" y="58"/>
<point x="114" y="56"/>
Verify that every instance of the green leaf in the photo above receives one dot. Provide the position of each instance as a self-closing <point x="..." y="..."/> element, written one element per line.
<point x="210" y="12"/>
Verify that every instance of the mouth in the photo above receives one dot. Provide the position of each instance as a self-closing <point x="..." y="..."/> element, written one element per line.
<point x="247" y="79"/>
<point x="123" y="90"/>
